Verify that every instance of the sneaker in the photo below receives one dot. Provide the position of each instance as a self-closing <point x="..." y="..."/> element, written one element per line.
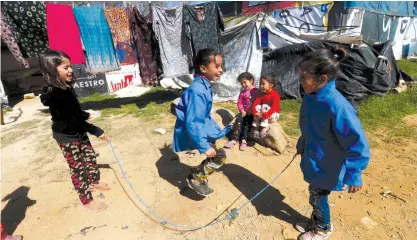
<point x="201" y="188"/>
<point x="243" y="146"/>
<point x="319" y="235"/>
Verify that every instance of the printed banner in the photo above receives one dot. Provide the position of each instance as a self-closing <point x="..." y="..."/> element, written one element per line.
<point x="89" y="84"/>
<point x="127" y="76"/>
<point x="308" y="19"/>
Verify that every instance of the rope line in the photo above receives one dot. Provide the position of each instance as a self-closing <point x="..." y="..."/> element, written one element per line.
<point x="232" y="215"/>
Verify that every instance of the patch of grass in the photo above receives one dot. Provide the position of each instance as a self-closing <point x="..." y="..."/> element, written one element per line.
<point x="229" y="106"/>
<point x="408" y="67"/>
<point x="387" y="113"/>
<point x="96" y="97"/>
<point x="289" y="117"/>
<point x="152" y="105"/>
<point x="7" y="109"/>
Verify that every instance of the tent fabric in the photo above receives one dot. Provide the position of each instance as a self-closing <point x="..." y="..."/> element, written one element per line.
<point x="309" y="3"/>
<point x="66" y="39"/>
<point x="410" y="40"/>
<point x="397" y="8"/>
<point x="311" y="19"/>
<point x="242" y="53"/>
<point x="380" y="28"/>
<point x="364" y="72"/>
<point x="96" y="37"/>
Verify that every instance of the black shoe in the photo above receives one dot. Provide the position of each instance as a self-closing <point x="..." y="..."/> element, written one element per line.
<point x="201" y="188"/>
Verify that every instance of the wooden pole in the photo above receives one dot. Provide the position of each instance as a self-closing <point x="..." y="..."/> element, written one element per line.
<point x="2" y="117"/>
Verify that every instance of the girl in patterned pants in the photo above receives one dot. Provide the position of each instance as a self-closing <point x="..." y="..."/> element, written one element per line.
<point x="70" y="127"/>
<point x="81" y="159"/>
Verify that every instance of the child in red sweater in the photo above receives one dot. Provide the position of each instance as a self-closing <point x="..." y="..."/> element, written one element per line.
<point x="266" y="107"/>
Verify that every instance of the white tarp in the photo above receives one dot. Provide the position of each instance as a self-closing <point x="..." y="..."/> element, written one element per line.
<point x="280" y="36"/>
<point x="177" y="82"/>
<point x="307" y="19"/>
<point x="398" y="41"/>
<point x="242" y="53"/>
<point x="3" y="96"/>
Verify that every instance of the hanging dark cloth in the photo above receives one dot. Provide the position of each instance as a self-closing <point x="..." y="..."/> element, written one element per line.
<point x="8" y="37"/>
<point x="202" y="26"/>
<point x="146" y="45"/>
<point x="28" y="22"/>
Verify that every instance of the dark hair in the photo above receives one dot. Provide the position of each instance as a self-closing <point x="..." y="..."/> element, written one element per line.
<point x="48" y="63"/>
<point x="323" y="62"/>
<point x="268" y="79"/>
<point x="203" y="58"/>
<point x="245" y="75"/>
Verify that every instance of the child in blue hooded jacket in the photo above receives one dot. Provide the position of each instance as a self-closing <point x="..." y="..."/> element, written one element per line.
<point x="195" y="128"/>
<point x="333" y="144"/>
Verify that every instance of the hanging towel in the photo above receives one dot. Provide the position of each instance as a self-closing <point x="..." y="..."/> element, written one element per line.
<point x="96" y="36"/>
<point x="63" y="32"/>
<point x="28" y="22"/>
<point x="8" y="38"/>
<point x="144" y="38"/>
<point x="120" y="31"/>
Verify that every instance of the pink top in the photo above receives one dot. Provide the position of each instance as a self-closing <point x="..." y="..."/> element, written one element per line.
<point x="246" y="97"/>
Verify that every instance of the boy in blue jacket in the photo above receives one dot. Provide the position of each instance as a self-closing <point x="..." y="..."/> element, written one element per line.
<point x="333" y="144"/>
<point x="195" y="128"/>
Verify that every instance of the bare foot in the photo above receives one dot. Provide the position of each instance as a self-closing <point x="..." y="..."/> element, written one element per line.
<point x="100" y="186"/>
<point x="15" y="237"/>
<point x="95" y="206"/>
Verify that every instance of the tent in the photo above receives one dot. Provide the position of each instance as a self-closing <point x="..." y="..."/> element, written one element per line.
<point x="367" y="70"/>
<point x="15" y="78"/>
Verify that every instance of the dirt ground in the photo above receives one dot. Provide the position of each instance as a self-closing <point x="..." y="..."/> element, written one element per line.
<point x="39" y="201"/>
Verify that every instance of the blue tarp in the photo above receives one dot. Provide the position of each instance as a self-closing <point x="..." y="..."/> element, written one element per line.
<point x="401" y="8"/>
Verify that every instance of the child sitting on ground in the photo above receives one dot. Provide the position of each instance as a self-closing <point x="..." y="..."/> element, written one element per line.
<point x="244" y="120"/>
<point x="266" y="107"/>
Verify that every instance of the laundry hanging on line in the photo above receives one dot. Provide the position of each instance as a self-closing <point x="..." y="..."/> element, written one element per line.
<point x="120" y="30"/>
<point x="96" y="36"/>
<point x="66" y="39"/>
<point x="28" y="22"/>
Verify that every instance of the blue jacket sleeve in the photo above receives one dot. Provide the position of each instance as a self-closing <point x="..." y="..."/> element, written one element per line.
<point x="195" y="118"/>
<point x="302" y="123"/>
<point x="351" y="136"/>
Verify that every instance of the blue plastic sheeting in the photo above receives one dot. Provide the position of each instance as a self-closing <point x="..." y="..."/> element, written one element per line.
<point x="401" y="8"/>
